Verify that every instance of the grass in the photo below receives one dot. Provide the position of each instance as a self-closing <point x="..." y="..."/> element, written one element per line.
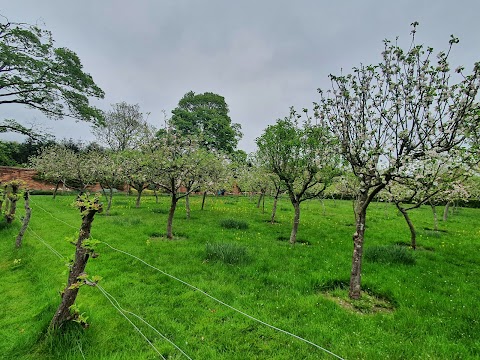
<point x="231" y="254"/>
<point x="389" y="254"/>
<point x="234" y="224"/>
<point x="432" y="306"/>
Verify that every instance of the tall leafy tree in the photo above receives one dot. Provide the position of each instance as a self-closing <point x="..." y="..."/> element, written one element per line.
<point x="13" y="153"/>
<point x="206" y="116"/>
<point x="36" y="74"/>
<point x="407" y="108"/>
<point x="124" y="128"/>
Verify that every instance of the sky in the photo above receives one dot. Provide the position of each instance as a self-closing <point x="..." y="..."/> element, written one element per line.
<point x="262" y="56"/>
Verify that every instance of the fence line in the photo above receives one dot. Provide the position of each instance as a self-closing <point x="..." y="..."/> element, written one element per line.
<point x="210" y="296"/>
<point x="145" y="322"/>
<point x="46" y="244"/>
<point x="49" y="213"/>
<point x="80" y="348"/>
<point x="130" y="321"/>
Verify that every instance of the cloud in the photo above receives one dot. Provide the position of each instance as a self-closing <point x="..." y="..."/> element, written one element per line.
<point x="262" y="56"/>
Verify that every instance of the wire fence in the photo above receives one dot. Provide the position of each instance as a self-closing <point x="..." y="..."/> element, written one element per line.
<point x="188" y="285"/>
<point x="116" y="305"/>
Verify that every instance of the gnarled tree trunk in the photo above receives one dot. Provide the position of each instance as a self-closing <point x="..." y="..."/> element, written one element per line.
<point x="274" y="208"/>
<point x="3" y="199"/>
<point x="296" y="221"/>
<point x="413" y="233"/>
<point x="26" y="220"/>
<point x="445" y="211"/>
<point x="81" y="257"/>
<point x="358" y="239"/>
<point x="10" y="215"/>
<point x="187" y="205"/>
<point x="435" y="217"/>
<point x="173" y="206"/>
<point x="56" y="188"/>
<point x="203" y="199"/>
<point x="139" y="196"/>
<point x="110" y="197"/>
<point x="259" y="200"/>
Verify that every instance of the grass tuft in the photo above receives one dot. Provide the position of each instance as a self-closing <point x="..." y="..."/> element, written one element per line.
<point x="389" y="254"/>
<point x="234" y="224"/>
<point x="231" y="254"/>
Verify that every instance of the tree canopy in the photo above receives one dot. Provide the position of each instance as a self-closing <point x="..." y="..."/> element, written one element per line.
<point x="36" y="74"/>
<point x="206" y="116"/>
<point x="124" y="127"/>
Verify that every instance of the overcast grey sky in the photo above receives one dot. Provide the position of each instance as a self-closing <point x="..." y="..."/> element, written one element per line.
<point x="262" y="56"/>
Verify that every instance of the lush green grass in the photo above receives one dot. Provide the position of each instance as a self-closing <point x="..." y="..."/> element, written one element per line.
<point x="231" y="254"/>
<point x="436" y="313"/>
<point x="389" y="254"/>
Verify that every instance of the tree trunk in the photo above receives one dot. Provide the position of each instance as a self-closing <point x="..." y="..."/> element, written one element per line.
<point x="354" y="210"/>
<point x="110" y="197"/>
<point x="263" y="203"/>
<point x="3" y="200"/>
<point x="358" y="239"/>
<point x="274" y="208"/>
<point x="445" y="211"/>
<point x="296" y="221"/>
<point x="203" y="199"/>
<point x="139" y="195"/>
<point x="259" y="200"/>
<point x="413" y="233"/>
<point x="10" y="215"/>
<point x="26" y="220"/>
<point x="6" y="203"/>
<point x="187" y="205"/>
<point x="455" y="207"/>
<point x="435" y="217"/>
<point x="81" y="257"/>
<point x="173" y="205"/>
<point x="156" y="195"/>
<point x="104" y="192"/>
<point x="56" y="189"/>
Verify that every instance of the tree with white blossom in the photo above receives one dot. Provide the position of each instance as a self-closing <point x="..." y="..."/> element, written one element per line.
<point x="434" y="180"/>
<point x="386" y="116"/>
<point x="177" y="163"/>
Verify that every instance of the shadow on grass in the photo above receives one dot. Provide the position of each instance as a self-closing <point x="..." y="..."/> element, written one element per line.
<point x="418" y="248"/>
<point x="299" y="241"/>
<point x="156" y="235"/>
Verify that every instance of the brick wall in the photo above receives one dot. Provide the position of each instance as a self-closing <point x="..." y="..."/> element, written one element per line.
<point x="8" y="173"/>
